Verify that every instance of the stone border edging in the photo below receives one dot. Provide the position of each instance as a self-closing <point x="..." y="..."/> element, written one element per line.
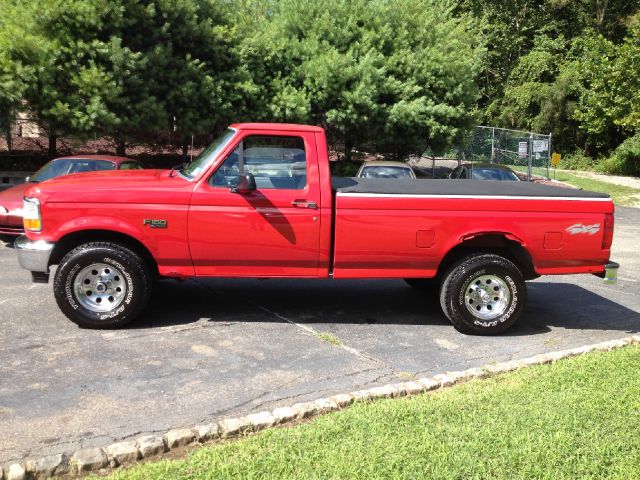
<point x="150" y="446"/>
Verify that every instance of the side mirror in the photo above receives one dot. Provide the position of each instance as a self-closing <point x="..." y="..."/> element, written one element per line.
<point x="245" y="183"/>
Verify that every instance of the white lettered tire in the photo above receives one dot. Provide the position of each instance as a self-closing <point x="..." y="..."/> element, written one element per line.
<point x="483" y="294"/>
<point x="102" y="285"/>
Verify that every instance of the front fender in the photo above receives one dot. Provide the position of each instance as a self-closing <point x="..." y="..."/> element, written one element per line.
<point x="108" y="223"/>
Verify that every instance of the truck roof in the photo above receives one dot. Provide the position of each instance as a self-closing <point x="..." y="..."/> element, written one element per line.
<point x="276" y="126"/>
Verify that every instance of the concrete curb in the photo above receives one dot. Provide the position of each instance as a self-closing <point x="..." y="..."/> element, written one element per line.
<point x="100" y="460"/>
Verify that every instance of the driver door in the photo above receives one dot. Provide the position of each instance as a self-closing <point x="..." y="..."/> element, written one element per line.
<point x="273" y="230"/>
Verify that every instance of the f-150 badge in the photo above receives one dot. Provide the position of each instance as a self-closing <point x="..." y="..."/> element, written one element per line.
<point x="155" y="223"/>
<point x="581" y="228"/>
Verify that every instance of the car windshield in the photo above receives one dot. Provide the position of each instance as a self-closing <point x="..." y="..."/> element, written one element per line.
<point x="66" y="166"/>
<point x="202" y="161"/>
<point x="386" y="172"/>
<point x="493" y="174"/>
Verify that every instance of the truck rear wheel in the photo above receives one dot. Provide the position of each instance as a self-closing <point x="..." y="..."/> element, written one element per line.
<point x="102" y="285"/>
<point x="483" y="294"/>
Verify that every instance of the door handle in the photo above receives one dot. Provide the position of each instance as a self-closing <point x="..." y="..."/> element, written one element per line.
<point x="305" y="204"/>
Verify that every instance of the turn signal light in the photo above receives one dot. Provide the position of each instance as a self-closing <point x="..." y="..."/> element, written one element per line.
<point x="607" y="237"/>
<point x="32" y="224"/>
<point x="31" y="215"/>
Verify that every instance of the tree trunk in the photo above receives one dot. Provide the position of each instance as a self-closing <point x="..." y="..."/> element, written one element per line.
<point x="185" y="150"/>
<point x="53" y="145"/>
<point x="347" y="147"/>
<point x="9" y="139"/>
<point x="121" y="146"/>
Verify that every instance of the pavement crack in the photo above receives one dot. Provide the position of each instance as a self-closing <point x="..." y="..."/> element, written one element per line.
<point x="316" y="333"/>
<point x="306" y="329"/>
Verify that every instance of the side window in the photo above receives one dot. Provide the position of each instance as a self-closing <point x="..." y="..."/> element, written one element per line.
<point x="275" y="162"/>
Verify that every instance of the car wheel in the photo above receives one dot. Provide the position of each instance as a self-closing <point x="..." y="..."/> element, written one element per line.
<point x="102" y="285"/>
<point x="483" y="294"/>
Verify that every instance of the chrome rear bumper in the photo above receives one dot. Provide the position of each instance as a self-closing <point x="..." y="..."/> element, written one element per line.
<point x="33" y="255"/>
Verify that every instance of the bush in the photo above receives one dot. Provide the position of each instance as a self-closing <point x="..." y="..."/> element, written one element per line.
<point x="578" y="161"/>
<point x="625" y="159"/>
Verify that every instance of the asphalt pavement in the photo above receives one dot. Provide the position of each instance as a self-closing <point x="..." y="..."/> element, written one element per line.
<point x="207" y="349"/>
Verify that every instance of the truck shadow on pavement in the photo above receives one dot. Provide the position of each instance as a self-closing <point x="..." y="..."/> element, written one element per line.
<point x="388" y="302"/>
<point x="7" y="241"/>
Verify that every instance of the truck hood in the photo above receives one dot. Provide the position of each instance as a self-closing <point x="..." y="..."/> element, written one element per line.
<point x="119" y="186"/>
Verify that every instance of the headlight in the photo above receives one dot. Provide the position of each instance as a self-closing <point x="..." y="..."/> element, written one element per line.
<point x="31" y="215"/>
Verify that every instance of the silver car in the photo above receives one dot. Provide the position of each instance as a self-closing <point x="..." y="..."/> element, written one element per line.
<point x="385" y="170"/>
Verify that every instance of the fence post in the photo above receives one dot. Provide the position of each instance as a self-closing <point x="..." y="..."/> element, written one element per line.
<point x="493" y="144"/>
<point x="549" y="157"/>
<point x="530" y="149"/>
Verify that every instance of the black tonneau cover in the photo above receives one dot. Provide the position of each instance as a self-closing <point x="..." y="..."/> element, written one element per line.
<point x="456" y="187"/>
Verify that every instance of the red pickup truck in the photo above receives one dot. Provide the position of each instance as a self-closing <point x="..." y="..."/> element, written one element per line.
<point x="260" y="202"/>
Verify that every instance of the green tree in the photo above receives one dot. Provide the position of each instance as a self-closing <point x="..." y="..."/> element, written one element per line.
<point x="388" y="77"/>
<point x="611" y="101"/>
<point x="512" y="28"/>
<point x="121" y="67"/>
<point x="541" y="93"/>
<point x="185" y="75"/>
<point x="55" y="51"/>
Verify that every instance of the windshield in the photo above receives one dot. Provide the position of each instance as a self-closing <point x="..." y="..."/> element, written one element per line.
<point x="202" y="161"/>
<point x="57" y="168"/>
<point x="386" y="172"/>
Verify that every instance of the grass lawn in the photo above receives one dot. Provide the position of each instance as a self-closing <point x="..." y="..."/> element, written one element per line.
<point x="577" y="418"/>
<point x="621" y="194"/>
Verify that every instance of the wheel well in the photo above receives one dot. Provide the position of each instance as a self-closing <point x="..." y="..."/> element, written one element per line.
<point x="72" y="240"/>
<point x="491" y="243"/>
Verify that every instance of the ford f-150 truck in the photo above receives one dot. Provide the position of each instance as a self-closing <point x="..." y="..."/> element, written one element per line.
<point x="260" y="202"/>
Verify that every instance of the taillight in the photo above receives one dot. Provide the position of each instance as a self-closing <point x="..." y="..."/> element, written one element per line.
<point x="607" y="237"/>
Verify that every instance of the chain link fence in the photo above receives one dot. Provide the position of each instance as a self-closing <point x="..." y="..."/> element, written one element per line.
<point x="525" y="152"/>
<point x="528" y="153"/>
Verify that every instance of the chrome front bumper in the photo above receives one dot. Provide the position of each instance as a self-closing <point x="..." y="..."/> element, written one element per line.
<point x="33" y="255"/>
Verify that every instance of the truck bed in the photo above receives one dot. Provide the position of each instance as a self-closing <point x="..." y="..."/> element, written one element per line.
<point x="386" y="227"/>
<point x="446" y="187"/>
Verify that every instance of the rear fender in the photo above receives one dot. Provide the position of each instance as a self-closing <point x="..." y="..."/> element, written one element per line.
<point x="511" y="246"/>
<point x="508" y="236"/>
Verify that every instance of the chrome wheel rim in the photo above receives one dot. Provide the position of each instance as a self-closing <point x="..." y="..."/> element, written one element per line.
<point x="100" y="287"/>
<point x="487" y="297"/>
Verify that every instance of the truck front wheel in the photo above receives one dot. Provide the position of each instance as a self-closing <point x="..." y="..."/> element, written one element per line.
<point x="483" y="294"/>
<point x="102" y="285"/>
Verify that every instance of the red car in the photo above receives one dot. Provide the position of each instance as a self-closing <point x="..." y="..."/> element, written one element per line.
<point x="11" y="198"/>
<point x="260" y="202"/>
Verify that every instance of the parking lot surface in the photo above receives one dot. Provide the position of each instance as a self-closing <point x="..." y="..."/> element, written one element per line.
<point x="206" y="349"/>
